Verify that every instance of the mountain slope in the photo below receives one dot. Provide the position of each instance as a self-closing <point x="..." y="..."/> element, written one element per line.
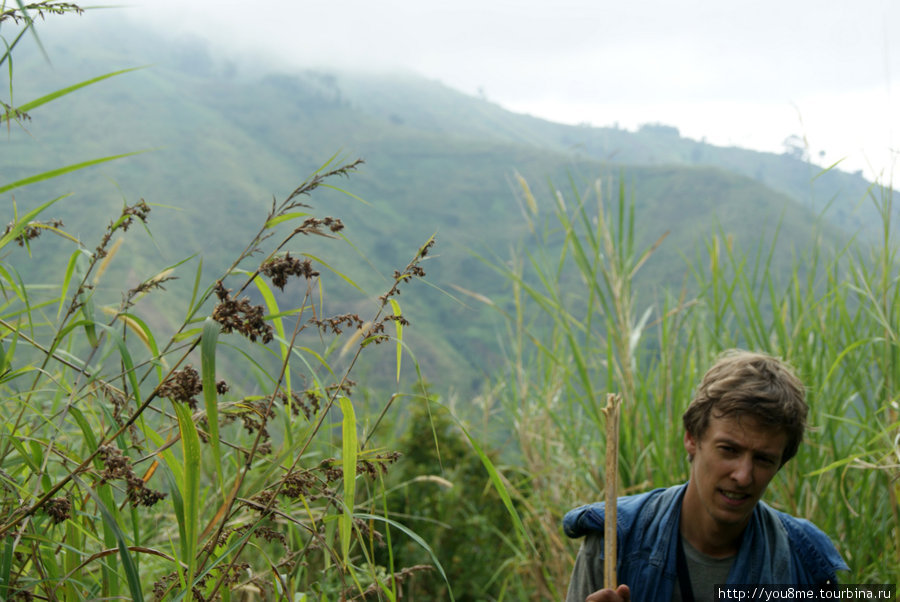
<point x="227" y="137"/>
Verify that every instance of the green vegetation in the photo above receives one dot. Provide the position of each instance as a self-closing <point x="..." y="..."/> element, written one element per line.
<point x="572" y="339"/>
<point x="127" y="472"/>
<point x="173" y="434"/>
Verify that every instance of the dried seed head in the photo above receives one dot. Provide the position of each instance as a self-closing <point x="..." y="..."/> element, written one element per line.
<point x="240" y="316"/>
<point x="279" y="269"/>
<point x="182" y="386"/>
<point x="32" y="230"/>
<point x="58" y="509"/>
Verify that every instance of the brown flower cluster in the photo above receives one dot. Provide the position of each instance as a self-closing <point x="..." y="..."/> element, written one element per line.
<point x="336" y="324"/>
<point x="233" y="574"/>
<point x="58" y="509"/>
<point x="140" y="210"/>
<point x="376" y="333"/>
<point x="413" y="270"/>
<point x="241" y="316"/>
<point x="255" y="415"/>
<point x="315" y="225"/>
<point x="332" y="471"/>
<point x="11" y="113"/>
<point x="309" y="402"/>
<point x="398" y="578"/>
<point x="379" y="462"/>
<point x="32" y="230"/>
<point x="263" y="502"/>
<point x="56" y="8"/>
<point x="118" y="466"/>
<point x="279" y="269"/>
<point x="298" y="484"/>
<point x="183" y="386"/>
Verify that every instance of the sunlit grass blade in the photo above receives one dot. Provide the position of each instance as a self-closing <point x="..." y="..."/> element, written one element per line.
<point x="67" y="90"/>
<point x="399" y="326"/>
<point x="348" y="462"/>
<point x="285" y="217"/>
<point x="21" y="224"/>
<point x="208" y="342"/>
<point x="54" y="173"/>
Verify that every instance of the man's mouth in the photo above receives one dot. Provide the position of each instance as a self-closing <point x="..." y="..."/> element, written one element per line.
<point x="734" y="497"/>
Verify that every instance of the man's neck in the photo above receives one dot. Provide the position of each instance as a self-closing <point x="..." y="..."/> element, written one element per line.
<point x="708" y="536"/>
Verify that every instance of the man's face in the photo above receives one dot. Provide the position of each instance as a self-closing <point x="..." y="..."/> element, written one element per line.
<point x="732" y="466"/>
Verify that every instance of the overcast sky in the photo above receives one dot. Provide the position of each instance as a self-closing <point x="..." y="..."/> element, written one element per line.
<point x="737" y="73"/>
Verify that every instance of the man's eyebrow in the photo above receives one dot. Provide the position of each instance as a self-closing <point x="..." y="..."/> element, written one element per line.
<point x="736" y="445"/>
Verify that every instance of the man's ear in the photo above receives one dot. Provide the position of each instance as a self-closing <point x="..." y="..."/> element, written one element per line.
<point x="690" y="445"/>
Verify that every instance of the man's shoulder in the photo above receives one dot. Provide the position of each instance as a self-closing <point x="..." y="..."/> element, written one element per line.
<point x="590" y="518"/>
<point x="810" y="545"/>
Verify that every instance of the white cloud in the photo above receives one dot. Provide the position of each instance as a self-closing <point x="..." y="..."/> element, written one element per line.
<point x="734" y="72"/>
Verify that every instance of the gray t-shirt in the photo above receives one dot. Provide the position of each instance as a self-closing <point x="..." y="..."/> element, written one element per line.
<point x="706" y="572"/>
<point x="587" y="576"/>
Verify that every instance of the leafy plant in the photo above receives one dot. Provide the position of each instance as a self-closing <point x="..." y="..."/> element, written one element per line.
<point x="126" y="471"/>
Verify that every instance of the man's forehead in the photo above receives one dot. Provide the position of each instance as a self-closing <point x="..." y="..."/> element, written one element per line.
<point x="747" y="431"/>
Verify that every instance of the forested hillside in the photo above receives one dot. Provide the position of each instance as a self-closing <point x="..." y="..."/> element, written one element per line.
<point x="223" y="135"/>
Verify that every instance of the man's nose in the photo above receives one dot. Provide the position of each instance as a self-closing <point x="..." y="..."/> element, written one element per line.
<point x="742" y="473"/>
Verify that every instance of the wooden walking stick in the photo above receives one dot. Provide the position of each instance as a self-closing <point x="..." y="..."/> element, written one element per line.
<point x="612" y="477"/>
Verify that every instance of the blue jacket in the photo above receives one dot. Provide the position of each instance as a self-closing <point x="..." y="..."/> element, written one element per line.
<point x="776" y="548"/>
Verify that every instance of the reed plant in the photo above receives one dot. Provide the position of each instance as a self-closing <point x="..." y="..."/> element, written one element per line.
<point x="582" y="324"/>
<point x="133" y="465"/>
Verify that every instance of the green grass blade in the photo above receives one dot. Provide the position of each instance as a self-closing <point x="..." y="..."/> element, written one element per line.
<point x="54" y="173"/>
<point x="415" y="537"/>
<point x="350" y="450"/>
<point x="190" y="442"/>
<point x="127" y="361"/>
<point x="21" y="224"/>
<point x="284" y="218"/>
<point x="6" y="566"/>
<point x="68" y="90"/>
<point x="499" y="486"/>
<point x="339" y="274"/>
<point x="208" y="372"/>
<point x="398" y="312"/>
<point x="128" y="564"/>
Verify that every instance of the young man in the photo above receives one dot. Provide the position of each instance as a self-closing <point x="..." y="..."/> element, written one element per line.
<point x="745" y="421"/>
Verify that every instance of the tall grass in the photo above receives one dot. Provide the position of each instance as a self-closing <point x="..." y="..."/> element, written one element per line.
<point x="126" y="472"/>
<point x="582" y="323"/>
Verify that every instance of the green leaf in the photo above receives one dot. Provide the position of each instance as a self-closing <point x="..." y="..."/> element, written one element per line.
<point x="127" y="362"/>
<point x="6" y="566"/>
<point x="325" y="265"/>
<point x="190" y="444"/>
<point x="128" y="564"/>
<point x="64" y="91"/>
<point x="208" y="370"/>
<point x="283" y="218"/>
<point x="350" y="450"/>
<point x="416" y="538"/>
<point x="398" y="312"/>
<point x="53" y="173"/>
<point x="21" y="224"/>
